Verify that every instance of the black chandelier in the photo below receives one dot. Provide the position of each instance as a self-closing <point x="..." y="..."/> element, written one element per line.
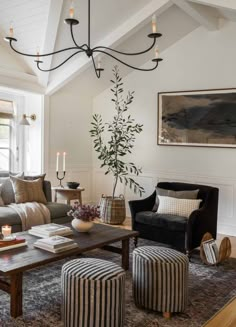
<point x="87" y="49"/>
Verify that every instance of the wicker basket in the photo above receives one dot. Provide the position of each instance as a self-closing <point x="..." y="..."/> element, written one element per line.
<point x="112" y="209"/>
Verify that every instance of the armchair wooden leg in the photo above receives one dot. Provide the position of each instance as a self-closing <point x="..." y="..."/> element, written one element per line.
<point x="135" y="241"/>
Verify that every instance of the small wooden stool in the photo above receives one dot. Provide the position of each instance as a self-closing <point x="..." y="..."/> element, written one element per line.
<point x="160" y="279"/>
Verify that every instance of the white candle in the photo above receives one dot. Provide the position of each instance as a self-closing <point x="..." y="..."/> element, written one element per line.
<point x="99" y="62"/>
<point x="11" y="30"/>
<point x="154" y="24"/>
<point x="57" y="163"/>
<point x="156" y="53"/>
<point x="6" y="230"/>
<point x="72" y="10"/>
<point x="64" y="161"/>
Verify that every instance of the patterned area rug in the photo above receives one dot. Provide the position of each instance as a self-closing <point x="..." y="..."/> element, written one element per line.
<point x="209" y="289"/>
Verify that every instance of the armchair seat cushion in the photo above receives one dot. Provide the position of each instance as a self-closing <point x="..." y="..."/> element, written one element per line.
<point x="165" y="221"/>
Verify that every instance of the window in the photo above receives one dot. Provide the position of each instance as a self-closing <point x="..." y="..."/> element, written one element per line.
<point x="6" y="116"/>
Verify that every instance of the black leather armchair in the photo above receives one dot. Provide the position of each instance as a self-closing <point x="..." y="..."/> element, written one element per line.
<point x="182" y="233"/>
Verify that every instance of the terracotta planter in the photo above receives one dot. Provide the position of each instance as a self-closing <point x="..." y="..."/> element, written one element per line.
<point x="112" y="210"/>
<point x="81" y="225"/>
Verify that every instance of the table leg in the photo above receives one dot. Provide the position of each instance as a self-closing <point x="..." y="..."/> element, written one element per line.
<point x="16" y="294"/>
<point x="125" y="254"/>
<point x="80" y="198"/>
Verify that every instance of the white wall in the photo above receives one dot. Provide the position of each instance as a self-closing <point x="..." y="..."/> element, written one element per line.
<point x="70" y="111"/>
<point x="201" y="60"/>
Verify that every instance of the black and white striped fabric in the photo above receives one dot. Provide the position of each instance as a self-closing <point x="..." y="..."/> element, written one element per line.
<point x="160" y="279"/>
<point x="93" y="293"/>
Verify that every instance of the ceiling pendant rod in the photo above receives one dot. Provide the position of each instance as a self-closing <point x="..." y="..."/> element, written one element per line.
<point x="89" y="23"/>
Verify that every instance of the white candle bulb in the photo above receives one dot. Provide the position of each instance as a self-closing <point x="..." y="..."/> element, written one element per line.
<point x="64" y="161"/>
<point x="72" y="10"/>
<point x="11" y="30"/>
<point x="57" y="162"/>
<point x="154" y="24"/>
<point x="156" y="53"/>
<point x="37" y="53"/>
<point x="99" y="62"/>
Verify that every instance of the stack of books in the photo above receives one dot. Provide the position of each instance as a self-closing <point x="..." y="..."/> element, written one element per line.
<point x="56" y="244"/>
<point x="11" y="243"/>
<point x="211" y="251"/>
<point x="48" y="230"/>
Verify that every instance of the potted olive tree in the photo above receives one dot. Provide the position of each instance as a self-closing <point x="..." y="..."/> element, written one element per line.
<point x="119" y="140"/>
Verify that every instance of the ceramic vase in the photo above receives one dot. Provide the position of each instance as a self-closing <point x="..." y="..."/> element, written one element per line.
<point x="81" y="225"/>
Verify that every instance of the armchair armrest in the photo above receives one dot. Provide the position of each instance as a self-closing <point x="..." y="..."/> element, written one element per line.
<point x="200" y="222"/>
<point x="141" y="205"/>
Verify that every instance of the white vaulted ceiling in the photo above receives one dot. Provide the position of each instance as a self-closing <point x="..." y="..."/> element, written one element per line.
<point x="123" y="24"/>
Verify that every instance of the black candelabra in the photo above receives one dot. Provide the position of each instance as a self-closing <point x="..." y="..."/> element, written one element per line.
<point x="61" y="178"/>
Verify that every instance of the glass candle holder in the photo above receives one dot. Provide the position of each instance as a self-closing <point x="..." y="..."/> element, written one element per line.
<point x="6" y="230"/>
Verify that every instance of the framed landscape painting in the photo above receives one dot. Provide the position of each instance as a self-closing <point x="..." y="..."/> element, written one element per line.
<point x="197" y="118"/>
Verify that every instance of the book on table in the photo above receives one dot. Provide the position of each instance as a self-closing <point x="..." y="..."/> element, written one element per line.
<point x="51" y="229"/>
<point x="56" y="244"/>
<point x="6" y="244"/>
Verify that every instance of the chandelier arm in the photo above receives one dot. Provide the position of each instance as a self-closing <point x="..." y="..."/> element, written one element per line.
<point x="129" y="53"/>
<point x="41" y="55"/>
<point x="124" y="63"/>
<point x="73" y="38"/>
<point x="51" y="69"/>
<point x="94" y="65"/>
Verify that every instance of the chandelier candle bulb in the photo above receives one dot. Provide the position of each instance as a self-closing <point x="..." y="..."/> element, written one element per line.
<point x="156" y="53"/>
<point x="11" y="31"/>
<point x="6" y="230"/>
<point x="154" y="24"/>
<point x="57" y="162"/>
<point x="99" y="62"/>
<point x="72" y="10"/>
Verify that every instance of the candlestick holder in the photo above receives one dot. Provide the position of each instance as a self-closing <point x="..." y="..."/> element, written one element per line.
<point x="61" y="178"/>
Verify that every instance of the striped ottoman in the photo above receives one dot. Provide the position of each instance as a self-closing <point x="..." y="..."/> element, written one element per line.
<point x="92" y="293"/>
<point x="160" y="279"/>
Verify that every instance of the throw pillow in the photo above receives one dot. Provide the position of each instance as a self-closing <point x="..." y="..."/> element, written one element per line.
<point x="178" y="207"/>
<point x="31" y="178"/>
<point x="8" y="195"/>
<point x="28" y="191"/>
<point x="192" y="194"/>
<point x="1" y="200"/>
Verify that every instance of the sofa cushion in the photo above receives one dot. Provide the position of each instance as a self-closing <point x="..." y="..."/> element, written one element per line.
<point x="8" y="216"/>
<point x="8" y="194"/>
<point x="188" y="194"/>
<point x="165" y="221"/>
<point x="58" y="210"/>
<point x="28" y="191"/>
<point x="179" y="207"/>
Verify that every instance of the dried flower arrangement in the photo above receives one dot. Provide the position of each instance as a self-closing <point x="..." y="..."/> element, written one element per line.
<point x="84" y="212"/>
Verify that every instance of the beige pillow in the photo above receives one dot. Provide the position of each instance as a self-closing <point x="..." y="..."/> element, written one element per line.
<point x="178" y="207"/>
<point x="28" y="191"/>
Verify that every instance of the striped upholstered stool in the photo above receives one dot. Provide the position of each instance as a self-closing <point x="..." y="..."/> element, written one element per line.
<point x="93" y="293"/>
<point x="160" y="279"/>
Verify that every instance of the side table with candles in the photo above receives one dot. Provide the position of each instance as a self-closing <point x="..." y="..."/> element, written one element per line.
<point x="68" y="194"/>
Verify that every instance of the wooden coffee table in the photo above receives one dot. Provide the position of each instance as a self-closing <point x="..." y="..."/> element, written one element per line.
<point x="14" y="262"/>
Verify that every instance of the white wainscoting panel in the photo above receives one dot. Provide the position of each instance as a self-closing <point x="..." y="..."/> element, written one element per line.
<point x="227" y="192"/>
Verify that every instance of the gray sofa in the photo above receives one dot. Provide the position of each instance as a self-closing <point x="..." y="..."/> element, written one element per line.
<point x="58" y="211"/>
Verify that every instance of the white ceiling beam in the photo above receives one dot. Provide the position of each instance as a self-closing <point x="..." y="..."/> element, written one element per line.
<point x="20" y="81"/>
<point x="199" y="14"/>
<point x="221" y="4"/>
<point x="113" y="39"/>
<point x="50" y="37"/>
